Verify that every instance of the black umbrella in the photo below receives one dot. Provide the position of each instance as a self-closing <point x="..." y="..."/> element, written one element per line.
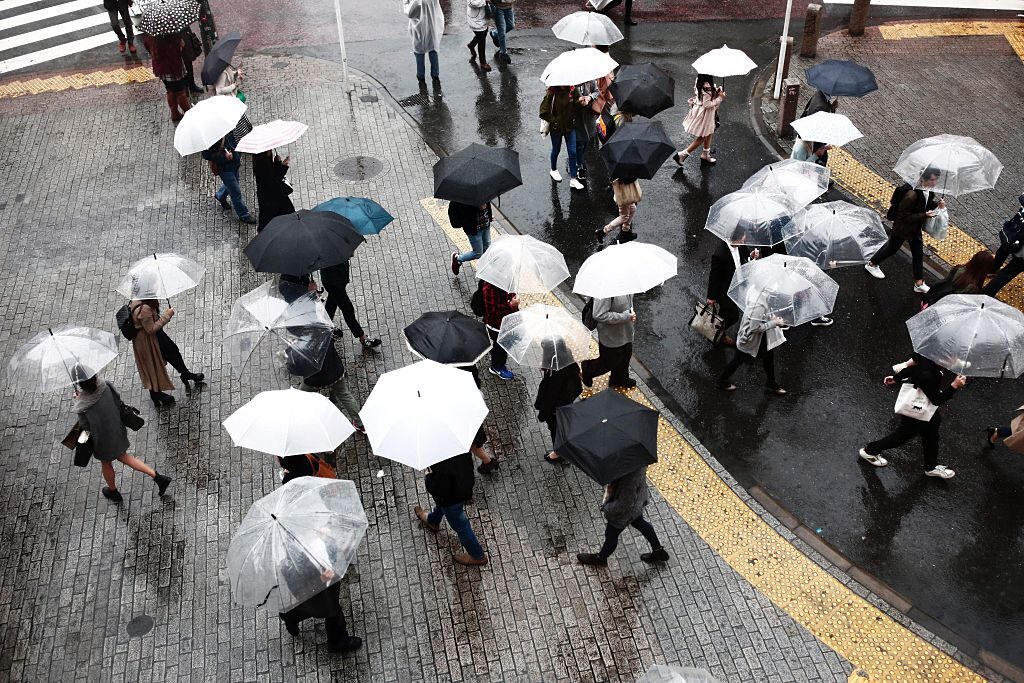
<point x="448" y="337"/>
<point x="220" y="57"/>
<point x="836" y="77"/>
<point x="166" y="17"/>
<point x="301" y="242"/>
<point x="637" y="150"/>
<point x="643" y="89"/>
<point x="477" y="174"/>
<point x="607" y="436"/>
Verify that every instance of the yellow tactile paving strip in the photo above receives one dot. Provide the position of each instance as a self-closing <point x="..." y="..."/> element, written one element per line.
<point x="91" y="79"/>
<point x="879" y="647"/>
<point x="1013" y="30"/>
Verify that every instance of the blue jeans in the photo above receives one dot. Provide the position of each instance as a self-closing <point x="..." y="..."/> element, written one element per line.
<point x="480" y="241"/>
<point x="435" y="70"/>
<point x="456" y="516"/>
<point x="504" y="21"/>
<point x="570" y="148"/>
<point x="230" y="187"/>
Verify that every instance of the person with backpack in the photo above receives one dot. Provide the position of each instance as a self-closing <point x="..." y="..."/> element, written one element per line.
<point x="450" y="484"/>
<point x="616" y="324"/>
<point x="909" y="208"/>
<point x="475" y="221"/>
<point x="1011" y="244"/>
<point x="497" y="304"/>
<point x="968" y="278"/>
<point x="224" y="163"/>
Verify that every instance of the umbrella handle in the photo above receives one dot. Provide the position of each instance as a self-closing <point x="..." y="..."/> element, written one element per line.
<point x="272" y="589"/>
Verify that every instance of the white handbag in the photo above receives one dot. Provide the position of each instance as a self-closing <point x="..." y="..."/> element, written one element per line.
<point x="914" y="403"/>
<point x="544" y="128"/>
<point x="707" y="322"/>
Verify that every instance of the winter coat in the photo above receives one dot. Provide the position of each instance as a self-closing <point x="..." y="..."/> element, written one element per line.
<point x="629" y="497"/>
<point x="330" y="372"/>
<point x="557" y="388"/>
<point x="99" y="412"/>
<point x="323" y="605"/>
<point x="227" y="82"/>
<point x="1015" y="441"/>
<point x="911" y="214"/>
<point x="497" y="304"/>
<point x="426" y="24"/>
<point x="558" y="108"/>
<point x="150" y="362"/>
<point x="700" y="120"/>
<point x="752" y="330"/>
<point x="271" y="190"/>
<point x="476" y="14"/>
<point x="166" y="54"/>
<point x="614" y="328"/>
<point x="723" y="267"/>
<point x="451" y="481"/>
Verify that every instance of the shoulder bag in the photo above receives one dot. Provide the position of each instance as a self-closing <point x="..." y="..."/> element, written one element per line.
<point x="130" y="415"/>
<point x="914" y="403"/>
<point x="706" y="321"/>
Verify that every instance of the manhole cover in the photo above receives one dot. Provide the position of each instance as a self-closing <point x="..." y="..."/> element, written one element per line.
<point x="140" y="626"/>
<point x="358" y="168"/>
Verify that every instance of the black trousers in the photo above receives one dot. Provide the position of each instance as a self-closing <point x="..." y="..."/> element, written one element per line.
<point x="614" y="360"/>
<point x="907" y="430"/>
<point x="893" y="245"/>
<point x="614" y="3"/>
<point x="612" y="533"/>
<point x="499" y="356"/>
<point x="122" y="9"/>
<point x="480" y="43"/>
<point x="171" y="353"/>
<point x="739" y="358"/>
<point x="1014" y="268"/>
<point x="552" y="427"/>
<point x="337" y="629"/>
<point x="339" y="297"/>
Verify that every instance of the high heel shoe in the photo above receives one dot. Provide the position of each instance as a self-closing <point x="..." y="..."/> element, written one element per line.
<point x="196" y="377"/>
<point x="159" y="398"/>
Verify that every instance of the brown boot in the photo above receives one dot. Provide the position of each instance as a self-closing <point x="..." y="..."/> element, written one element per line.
<point x="468" y="560"/>
<point x="172" y="104"/>
<point x="184" y="103"/>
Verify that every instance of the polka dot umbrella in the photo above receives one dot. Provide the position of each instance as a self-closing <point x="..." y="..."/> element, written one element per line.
<point x="166" y="17"/>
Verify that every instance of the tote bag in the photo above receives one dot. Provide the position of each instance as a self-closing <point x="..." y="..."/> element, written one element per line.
<point x="914" y="403"/>
<point x="707" y="322"/>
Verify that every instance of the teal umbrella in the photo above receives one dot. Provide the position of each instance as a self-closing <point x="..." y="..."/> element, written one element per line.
<point x="367" y="216"/>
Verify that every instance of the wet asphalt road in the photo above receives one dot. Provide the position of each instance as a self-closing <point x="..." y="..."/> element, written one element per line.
<point x="954" y="548"/>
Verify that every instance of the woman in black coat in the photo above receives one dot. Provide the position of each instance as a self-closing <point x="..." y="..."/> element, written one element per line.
<point x="271" y="189"/>
<point x="557" y="388"/>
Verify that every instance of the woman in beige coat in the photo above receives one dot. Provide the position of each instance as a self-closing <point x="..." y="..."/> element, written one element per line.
<point x="152" y="366"/>
<point x="1012" y="436"/>
<point x="700" y="121"/>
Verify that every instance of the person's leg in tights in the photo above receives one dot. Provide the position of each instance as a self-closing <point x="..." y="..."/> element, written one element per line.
<point x="645" y="528"/>
<point x="887" y="250"/>
<point x="930" y="441"/>
<point x="907" y="430"/>
<point x="171" y="353"/>
<point x="499" y="356"/>
<point x="738" y="359"/>
<point x="1012" y="269"/>
<point x="480" y="41"/>
<point x="108" y="475"/>
<point x="611" y="541"/>
<point x="768" y="361"/>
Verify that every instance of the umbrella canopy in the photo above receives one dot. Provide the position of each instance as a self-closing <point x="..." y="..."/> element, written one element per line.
<point x="282" y="322"/>
<point x="476" y="174"/>
<point x="607" y="436"/>
<point x="367" y="216"/>
<point x="206" y="123"/>
<point x="288" y="422"/>
<point x="621" y="269"/>
<point x="448" y="337"/>
<point x="637" y="150"/>
<point x="543" y="336"/>
<point x="755" y="216"/>
<point x="827" y="128"/>
<point x="662" y="673"/>
<point x="802" y="181"/>
<point x="578" y="66"/>
<point x="837" y="234"/>
<point x="587" y="28"/>
<point x="267" y="136"/>
<point x="48" y="361"/>
<point x="220" y="57"/>
<point x="787" y="287"/>
<point x="965" y="165"/>
<point x="845" y="78"/>
<point x="723" y="62"/>
<point x="160" y="276"/>
<point x="301" y="242"/>
<point x="523" y="264"/>
<point x="643" y="89"/>
<point x="971" y="334"/>
<point x="423" y="413"/>
<point x="295" y="542"/>
<point x="164" y="17"/>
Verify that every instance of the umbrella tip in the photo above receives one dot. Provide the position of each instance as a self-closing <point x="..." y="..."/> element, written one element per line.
<point x="273" y="516"/>
<point x="50" y="330"/>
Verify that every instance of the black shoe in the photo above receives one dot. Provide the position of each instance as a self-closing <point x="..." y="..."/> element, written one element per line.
<point x="505" y="58"/>
<point x="338" y="333"/>
<point x="159" y="398"/>
<point x="628" y="384"/>
<point x="290" y="626"/>
<point x="456" y="263"/>
<point x="248" y="219"/>
<point x="489" y="466"/>
<point x="224" y="204"/>
<point x="587" y="381"/>
<point x="113" y="495"/>
<point x="195" y="88"/>
<point x="370" y="342"/>
<point x="657" y="555"/>
<point x="631" y="22"/>
<point x="348" y="644"/>
<point x="592" y="559"/>
<point x="162" y="482"/>
<point x="472" y="52"/>
<point x="581" y="173"/>
<point x="196" y="377"/>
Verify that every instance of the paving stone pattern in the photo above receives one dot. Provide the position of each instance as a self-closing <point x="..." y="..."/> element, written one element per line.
<point x="92" y="183"/>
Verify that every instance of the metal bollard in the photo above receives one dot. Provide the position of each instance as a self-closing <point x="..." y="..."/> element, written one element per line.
<point x="812" y="27"/>
<point x="788" y="99"/>
<point x="858" y="17"/>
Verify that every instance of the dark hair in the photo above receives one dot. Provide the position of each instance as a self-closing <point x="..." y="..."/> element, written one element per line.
<point x="551" y="348"/>
<point x="930" y="172"/>
<point x="701" y="80"/>
<point x="84" y="378"/>
<point x="972" y="273"/>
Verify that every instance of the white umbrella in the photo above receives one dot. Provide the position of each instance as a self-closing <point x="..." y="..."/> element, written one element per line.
<point x="578" y="66"/>
<point x="837" y="234"/>
<point x="826" y="128"/>
<point x="160" y="276"/>
<point x="754" y="216"/>
<point x="288" y="422"/>
<point x="724" y="61"/>
<point x="207" y="122"/>
<point x="599" y="4"/>
<point x="543" y="336"/>
<point x="803" y="181"/>
<point x="587" y="28"/>
<point x="423" y="413"/>
<point x="295" y="542"/>
<point x="788" y="287"/>
<point x="523" y="264"/>
<point x="267" y="136"/>
<point x="661" y="673"/>
<point x="628" y="268"/>
<point x="964" y="164"/>
<point x="49" y="360"/>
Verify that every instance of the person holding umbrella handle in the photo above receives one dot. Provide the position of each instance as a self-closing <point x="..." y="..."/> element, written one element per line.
<point x="623" y="506"/>
<point x="700" y="121"/>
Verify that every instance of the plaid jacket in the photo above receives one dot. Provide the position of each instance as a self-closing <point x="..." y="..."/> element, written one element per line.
<point x="497" y="304"/>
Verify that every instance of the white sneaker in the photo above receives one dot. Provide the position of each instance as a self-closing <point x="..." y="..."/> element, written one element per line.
<point x="874" y="270"/>
<point x="876" y="460"/>
<point x="941" y="471"/>
<point x="576" y="185"/>
<point x="556" y="176"/>
<point x="921" y="288"/>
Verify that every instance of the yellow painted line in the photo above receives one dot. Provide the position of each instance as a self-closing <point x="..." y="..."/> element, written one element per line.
<point x="91" y="79"/>
<point x="878" y="647"/>
<point x="1013" y="30"/>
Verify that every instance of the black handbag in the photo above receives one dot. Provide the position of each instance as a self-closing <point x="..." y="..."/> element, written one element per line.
<point x="83" y="453"/>
<point x="129" y="414"/>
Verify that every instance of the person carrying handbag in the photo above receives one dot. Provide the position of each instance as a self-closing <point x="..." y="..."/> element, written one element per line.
<point x="931" y="380"/>
<point x="627" y="194"/>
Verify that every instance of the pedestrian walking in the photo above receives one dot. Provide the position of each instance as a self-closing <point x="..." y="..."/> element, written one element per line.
<point x="627" y="194"/>
<point x="594" y="98"/>
<point x="1011" y="244"/>
<point x="324" y="605"/>
<point x="819" y="101"/>
<point x="488" y="461"/>
<point x="616" y="322"/>
<point x="627" y="17"/>
<point x="224" y="163"/>
<point x="968" y="278"/>
<point x="119" y="8"/>
<point x="476" y="16"/>
<point x="98" y="407"/>
<point x="149" y="359"/>
<point x="557" y="388"/>
<point x="450" y="484"/>
<point x="272" y="190"/>
<point x="926" y="376"/>
<point x="726" y="258"/>
<point x="623" y="506"/>
<point x="909" y="209"/>
<point x="558" y="109"/>
<point x="1012" y="434"/>
<point x="331" y="376"/>
<point x="426" y="25"/>
<point x="191" y="49"/>
<point x="700" y="121"/>
<point x="475" y="221"/>
<point x="504" y="15"/>
<point x="169" y="67"/>
<point x="758" y="336"/>
<point x="497" y="304"/>
<point x="335" y="281"/>
<point x="307" y="465"/>
<point x="807" y="150"/>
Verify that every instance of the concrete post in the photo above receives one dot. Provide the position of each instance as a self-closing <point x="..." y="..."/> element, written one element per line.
<point x="858" y="17"/>
<point x="788" y="99"/>
<point x="786" y="59"/>
<point x="812" y="27"/>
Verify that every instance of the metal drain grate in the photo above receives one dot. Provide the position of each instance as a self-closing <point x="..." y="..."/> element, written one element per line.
<point x="358" y="168"/>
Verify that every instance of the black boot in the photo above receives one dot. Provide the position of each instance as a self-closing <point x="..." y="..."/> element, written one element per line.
<point x="162" y="482"/>
<point x="159" y="398"/>
<point x="196" y="377"/>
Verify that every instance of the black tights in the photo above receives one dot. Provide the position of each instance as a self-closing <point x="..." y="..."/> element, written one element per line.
<point x="480" y="43"/>
<point x="611" y="536"/>
<point x="739" y="358"/>
<point x="171" y="353"/>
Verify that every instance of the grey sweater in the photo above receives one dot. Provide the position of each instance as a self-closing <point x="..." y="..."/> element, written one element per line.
<point x="628" y="499"/>
<point x="614" y="328"/>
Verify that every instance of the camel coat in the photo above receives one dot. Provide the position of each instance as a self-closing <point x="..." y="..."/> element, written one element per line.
<point x="151" y="364"/>
<point x="1015" y="442"/>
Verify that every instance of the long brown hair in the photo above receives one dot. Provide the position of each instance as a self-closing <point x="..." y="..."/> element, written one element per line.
<point x="972" y="273"/>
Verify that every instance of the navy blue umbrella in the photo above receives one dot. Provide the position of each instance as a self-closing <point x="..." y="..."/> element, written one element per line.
<point x="844" y="78"/>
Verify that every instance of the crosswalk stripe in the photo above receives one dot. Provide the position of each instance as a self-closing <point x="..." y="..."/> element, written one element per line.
<point x="48" y="13"/>
<point x="51" y="53"/>
<point x="52" y="31"/>
<point x="14" y="4"/>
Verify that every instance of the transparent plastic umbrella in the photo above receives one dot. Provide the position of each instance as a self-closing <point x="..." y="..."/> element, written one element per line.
<point x="837" y="234"/>
<point x="621" y="269"/>
<point x="663" y="673"/>
<point x="283" y="322"/>
<point x="971" y="334"/>
<point x="160" y="276"/>
<point x="587" y="28"/>
<point x="295" y="542"/>
<point x="542" y="336"/>
<point x="578" y="66"/>
<point x="754" y="216"/>
<point x="965" y="165"/>
<point x="207" y="122"/>
<point x="802" y="181"/>
<point x="523" y="264"/>
<point x="789" y="287"/>
<point x="46" y="362"/>
<point x="827" y="128"/>
<point x="288" y="422"/>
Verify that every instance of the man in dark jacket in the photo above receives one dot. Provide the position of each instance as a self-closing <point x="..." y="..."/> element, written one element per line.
<point x="723" y="267"/>
<point x="225" y="163"/>
<point x="1011" y="244"/>
<point x="332" y="376"/>
<point x="335" y="279"/>
<point x="450" y="484"/>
